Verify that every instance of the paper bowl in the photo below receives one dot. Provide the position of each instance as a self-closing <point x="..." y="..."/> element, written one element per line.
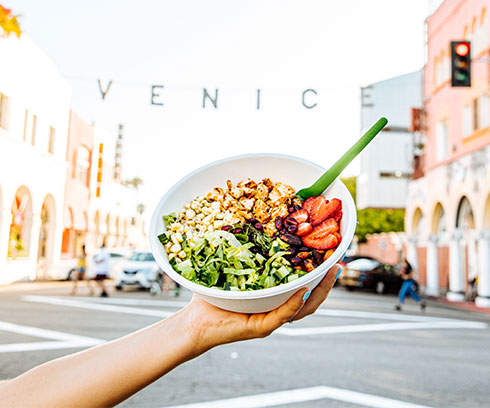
<point x="293" y="171"/>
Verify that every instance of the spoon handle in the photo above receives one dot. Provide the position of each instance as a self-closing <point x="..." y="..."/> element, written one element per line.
<point x="333" y="172"/>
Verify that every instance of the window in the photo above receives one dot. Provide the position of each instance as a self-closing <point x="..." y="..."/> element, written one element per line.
<point x="26" y="122"/>
<point x="52" y="134"/>
<point x="82" y="165"/>
<point x="34" y="128"/>
<point x="466" y="120"/>
<point x="4" y="111"/>
<point x="484" y="111"/>
<point x="442" y="142"/>
<point x="475" y="113"/>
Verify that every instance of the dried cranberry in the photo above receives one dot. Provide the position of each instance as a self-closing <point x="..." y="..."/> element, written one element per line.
<point x="296" y="261"/>
<point x="292" y="228"/>
<point x="236" y="231"/>
<point x="226" y="227"/>
<point x="304" y="249"/>
<point x="290" y="209"/>
<point x="259" y="226"/>
<point x="278" y="223"/>
<point x="291" y="221"/>
<point x="291" y="251"/>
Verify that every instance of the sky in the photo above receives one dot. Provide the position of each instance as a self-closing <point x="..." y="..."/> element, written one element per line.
<point x="281" y="47"/>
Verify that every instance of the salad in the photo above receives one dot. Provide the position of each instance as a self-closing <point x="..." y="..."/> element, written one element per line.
<point x="251" y="235"/>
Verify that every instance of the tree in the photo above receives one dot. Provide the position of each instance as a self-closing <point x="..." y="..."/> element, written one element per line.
<point x="8" y="23"/>
<point x="135" y="183"/>
<point x="371" y="221"/>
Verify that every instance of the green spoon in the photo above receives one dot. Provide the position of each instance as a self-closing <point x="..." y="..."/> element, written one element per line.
<point x="333" y="172"/>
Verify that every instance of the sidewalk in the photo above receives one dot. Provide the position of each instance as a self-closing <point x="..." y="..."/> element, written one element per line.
<point x="460" y="305"/>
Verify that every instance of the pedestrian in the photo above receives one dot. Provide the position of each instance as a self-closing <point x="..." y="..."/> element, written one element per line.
<point x="81" y="272"/>
<point x="111" y="372"/>
<point x="407" y="287"/>
<point x="102" y="269"/>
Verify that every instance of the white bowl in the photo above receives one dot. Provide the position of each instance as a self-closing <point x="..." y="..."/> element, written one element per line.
<point x="293" y="171"/>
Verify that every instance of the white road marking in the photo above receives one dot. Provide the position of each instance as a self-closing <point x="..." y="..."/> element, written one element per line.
<point x="132" y="302"/>
<point x="64" y="340"/>
<point x="96" y="306"/>
<point x="406" y="322"/>
<point x="376" y="315"/>
<point x="302" y="395"/>
<point x="363" y="328"/>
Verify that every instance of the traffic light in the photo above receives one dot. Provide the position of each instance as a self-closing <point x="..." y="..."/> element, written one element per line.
<point x="460" y="63"/>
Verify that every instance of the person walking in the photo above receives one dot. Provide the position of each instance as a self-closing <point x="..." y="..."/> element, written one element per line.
<point x="407" y="287"/>
<point x="80" y="272"/>
<point x="102" y="269"/>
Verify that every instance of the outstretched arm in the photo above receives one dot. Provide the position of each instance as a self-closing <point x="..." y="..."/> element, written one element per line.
<point x="108" y="374"/>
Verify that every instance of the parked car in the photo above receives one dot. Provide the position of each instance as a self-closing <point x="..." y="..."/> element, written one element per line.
<point x="369" y="273"/>
<point x="140" y="271"/>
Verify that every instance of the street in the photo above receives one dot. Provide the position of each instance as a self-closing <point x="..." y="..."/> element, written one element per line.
<point x="356" y="351"/>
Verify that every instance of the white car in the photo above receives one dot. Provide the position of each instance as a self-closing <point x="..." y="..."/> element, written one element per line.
<point x="140" y="271"/>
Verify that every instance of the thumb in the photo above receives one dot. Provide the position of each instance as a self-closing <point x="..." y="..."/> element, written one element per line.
<point x="285" y="312"/>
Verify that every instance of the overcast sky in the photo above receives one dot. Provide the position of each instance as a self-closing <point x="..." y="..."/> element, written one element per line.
<point x="280" y="47"/>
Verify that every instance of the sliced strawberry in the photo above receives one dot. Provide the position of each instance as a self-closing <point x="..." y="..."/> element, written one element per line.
<point x="304" y="229"/>
<point x="338" y="216"/>
<point x="300" y="216"/>
<point x="334" y="207"/>
<point x="308" y="203"/>
<point x="318" y="211"/>
<point x="325" y="228"/>
<point x="326" y="242"/>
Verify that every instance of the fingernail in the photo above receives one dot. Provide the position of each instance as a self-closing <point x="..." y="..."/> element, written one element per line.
<point x="306" y="296"/>
<point x="339" y="272"/>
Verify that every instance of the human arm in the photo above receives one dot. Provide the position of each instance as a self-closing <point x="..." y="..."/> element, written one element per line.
<point x="108" y="374"/>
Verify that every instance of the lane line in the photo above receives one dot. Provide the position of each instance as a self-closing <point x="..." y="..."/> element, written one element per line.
<point x="378" y="315"/>
<point x="363" y="328"/>
<point x="64" y="340"/>
<point x="97" y="306"/>
<point x="126" y="301"/>
<point x="303" y="395"/>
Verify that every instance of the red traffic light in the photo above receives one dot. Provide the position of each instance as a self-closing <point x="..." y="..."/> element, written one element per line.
<point x="462" y="49"/>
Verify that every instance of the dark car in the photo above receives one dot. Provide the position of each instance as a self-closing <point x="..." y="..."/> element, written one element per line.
<point x="369" y="273"/>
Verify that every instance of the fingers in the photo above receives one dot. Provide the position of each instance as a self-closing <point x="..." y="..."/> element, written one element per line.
<point x="284" y="313"/>
<point x="320" y="293"/>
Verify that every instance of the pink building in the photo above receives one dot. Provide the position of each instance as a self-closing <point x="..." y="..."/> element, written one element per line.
<point x="448" y="209"/>
<point x="77" y="190"/>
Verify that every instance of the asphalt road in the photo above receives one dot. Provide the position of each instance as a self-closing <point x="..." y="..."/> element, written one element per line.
<point x="356" y="352"/>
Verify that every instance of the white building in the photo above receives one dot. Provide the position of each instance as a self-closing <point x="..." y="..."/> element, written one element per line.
<point x="386" y="164"/>
<point x="34" y="112"/>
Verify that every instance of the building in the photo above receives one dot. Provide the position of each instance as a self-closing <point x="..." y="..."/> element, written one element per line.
<point x="386" y="165"/>
<point x="34" y="111"/>
<point x="79" y="154"/>
<point x="113" y="218"/>
<point x="448" y="208"/>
